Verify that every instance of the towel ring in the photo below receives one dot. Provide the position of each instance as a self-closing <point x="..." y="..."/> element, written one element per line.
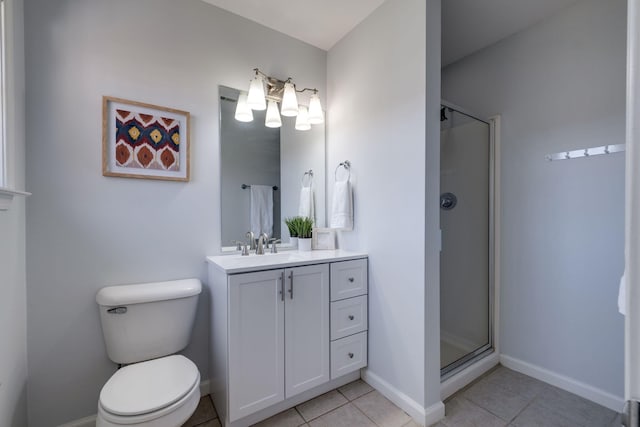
<point x="309" y="173"/>
<point x="347" y="165"/>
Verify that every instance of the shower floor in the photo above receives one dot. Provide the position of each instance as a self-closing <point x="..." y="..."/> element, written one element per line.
<point x="449" y="353"/>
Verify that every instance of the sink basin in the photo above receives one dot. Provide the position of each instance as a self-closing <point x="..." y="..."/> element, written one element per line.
<point x="237" y="263"/>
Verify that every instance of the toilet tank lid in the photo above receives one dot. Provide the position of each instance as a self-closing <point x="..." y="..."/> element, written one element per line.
<point x="148" y="292"/>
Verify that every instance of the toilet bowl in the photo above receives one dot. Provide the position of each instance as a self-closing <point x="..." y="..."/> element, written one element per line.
<point x="160" y="393"/>
<point x="143" y="326"/>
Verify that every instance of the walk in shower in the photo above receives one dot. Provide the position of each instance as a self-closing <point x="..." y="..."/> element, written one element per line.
<point x="466" y="221"/>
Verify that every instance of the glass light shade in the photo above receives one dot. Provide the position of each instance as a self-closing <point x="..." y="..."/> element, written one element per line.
<point x="316" y="115"/>
<point x="273" y="117"/>
<point x="289" y="106"/>
<point x="302" y="121"/>
<point x="243" y="112"/>
<point x="255" y="99"/>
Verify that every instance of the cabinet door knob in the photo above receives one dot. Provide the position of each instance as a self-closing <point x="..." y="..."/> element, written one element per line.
<point x="351" y="317"/>
<point x="350" y="279"/>
<point x="350" y="355"/>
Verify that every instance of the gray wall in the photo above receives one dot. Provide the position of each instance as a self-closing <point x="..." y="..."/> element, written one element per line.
<point x="13" y="305"/>
<point x="559" y="85"/>
<point x="86" y="231"/>
<point x="381" y="130"/>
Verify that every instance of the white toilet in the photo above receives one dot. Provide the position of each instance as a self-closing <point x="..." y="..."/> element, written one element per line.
<point x="143" y="326"/>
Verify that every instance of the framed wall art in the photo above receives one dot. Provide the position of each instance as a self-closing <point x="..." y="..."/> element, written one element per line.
<point x="324" y="238"/>
<point x="144" y="141"/>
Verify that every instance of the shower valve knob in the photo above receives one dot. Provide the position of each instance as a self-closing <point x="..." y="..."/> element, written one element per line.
<point x="448" y="201"/>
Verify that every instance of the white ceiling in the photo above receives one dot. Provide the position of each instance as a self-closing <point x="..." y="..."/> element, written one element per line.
<point x="467" y="25"/>
<point x="320" y="23"/>
<point x="470" y="25"/>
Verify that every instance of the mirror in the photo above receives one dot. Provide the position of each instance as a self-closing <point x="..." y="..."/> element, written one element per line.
<point x="253" y="154"/>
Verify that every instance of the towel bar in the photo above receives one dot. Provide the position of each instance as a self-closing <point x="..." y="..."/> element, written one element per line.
<point x="245" y="186"/>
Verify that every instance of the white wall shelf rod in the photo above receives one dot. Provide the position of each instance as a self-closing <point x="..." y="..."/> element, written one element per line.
<point x="586" y="152"/>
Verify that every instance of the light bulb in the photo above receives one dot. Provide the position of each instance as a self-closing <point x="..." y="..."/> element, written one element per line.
<point x="273" y="117"/>
<point x="289" y="101"/>
<point x="316" y="115"/>
<point x="302" y="121"/>
<point x="255" y="99"/>
<point x="243" y="112"/>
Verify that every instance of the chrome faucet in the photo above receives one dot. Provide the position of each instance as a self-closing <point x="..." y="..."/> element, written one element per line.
<point x="265" y="239"/>
<point x="252" y="240"/>
<point x="260" y="247"/>
<point x="274" y="247"/>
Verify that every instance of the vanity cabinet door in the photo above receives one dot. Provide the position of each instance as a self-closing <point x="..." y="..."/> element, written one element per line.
<point x="256" y="341"/>
<point x="306" y="328"/>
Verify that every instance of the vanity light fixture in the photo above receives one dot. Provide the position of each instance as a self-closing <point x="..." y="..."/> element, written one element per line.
<point x="243" y="111"/>
<point x="315" y="109"/>
<point x="302" y="121"/>
<point x="283" y="92"/>
<point x="273" y="118"/>
<point x="289" y="106"/>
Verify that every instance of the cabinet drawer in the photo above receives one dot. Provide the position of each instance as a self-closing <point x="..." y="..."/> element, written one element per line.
<point x="348" y="317"/>
<point x="348" y="354"/>
<point x="348" y="279"/>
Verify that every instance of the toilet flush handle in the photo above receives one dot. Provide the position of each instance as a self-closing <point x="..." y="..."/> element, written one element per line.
<point x="117" y="310"/>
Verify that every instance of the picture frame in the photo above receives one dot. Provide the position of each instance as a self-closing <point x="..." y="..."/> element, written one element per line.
<point x="323" y="238"/>
<point x="144" y="141"/>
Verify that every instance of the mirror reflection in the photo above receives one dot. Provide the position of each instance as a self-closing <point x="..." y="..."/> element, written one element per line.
<point x="265" y="171"/>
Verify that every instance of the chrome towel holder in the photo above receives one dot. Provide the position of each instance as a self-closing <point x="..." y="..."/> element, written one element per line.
<point x="308" y="174"/>
<point x="347" y="166"/>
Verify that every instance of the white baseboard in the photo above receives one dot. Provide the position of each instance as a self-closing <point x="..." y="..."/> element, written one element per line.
<point x="468" y="375"/>
<point x="601" y="397"/>
<point x="424" y="416"/>
<point x="90" y="421"/>
<point x="205" y="387"/>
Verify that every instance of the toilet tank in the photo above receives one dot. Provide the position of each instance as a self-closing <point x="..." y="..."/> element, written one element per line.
<point x="149" y="320"/>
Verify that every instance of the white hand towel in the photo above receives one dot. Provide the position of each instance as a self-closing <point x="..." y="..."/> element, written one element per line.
<point x="307" y="203"/>
<point x="622" y="295"/>
<point x="342" y="207"/>
<point x="261" y="210"/>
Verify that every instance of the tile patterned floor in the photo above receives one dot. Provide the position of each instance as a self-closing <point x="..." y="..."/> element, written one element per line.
<point x="503" y="397"/>
<point x="500" y="398"/>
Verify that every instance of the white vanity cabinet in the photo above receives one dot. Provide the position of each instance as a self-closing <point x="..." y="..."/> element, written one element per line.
<point x="278" y="335"/>
<point x="349" y="316"/>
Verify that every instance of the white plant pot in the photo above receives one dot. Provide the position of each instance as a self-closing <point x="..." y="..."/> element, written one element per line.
<point x="304" y="245"/>
<point x="294" y="242"/>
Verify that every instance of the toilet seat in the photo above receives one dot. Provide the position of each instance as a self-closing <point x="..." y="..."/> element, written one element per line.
<point x="141" y="393"/>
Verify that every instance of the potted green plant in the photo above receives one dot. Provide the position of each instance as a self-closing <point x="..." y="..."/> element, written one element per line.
<point x="304" y="228"/>
<point x="291" y="224"/>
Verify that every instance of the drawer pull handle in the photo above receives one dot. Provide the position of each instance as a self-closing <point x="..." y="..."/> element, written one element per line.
<point x="351" y="317"/>
<point x="351" y="279"/>
<point x="350" y="355"/>
<point x="282" y="286"/>
<point x="291" y="288"/>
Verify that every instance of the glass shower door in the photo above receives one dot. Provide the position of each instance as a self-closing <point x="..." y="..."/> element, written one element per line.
<point x="465" y="220"/>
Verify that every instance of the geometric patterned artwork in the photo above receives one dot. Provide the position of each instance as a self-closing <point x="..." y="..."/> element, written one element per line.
<point x="144" y="141"/>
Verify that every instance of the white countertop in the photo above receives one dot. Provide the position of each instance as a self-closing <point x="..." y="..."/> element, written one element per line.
<point x="236" y="263"/>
